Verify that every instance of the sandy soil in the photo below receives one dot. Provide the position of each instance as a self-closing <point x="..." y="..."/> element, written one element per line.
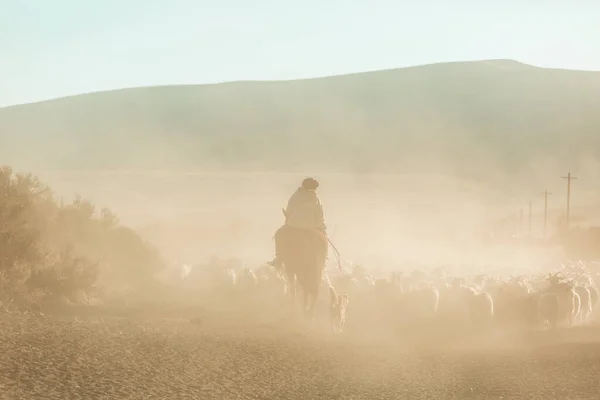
<point x="111" y="357"/>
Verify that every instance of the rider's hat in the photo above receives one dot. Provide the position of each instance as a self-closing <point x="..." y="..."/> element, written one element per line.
<point x="310" y="184"/>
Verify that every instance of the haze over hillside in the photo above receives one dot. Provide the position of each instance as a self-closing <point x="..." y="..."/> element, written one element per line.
<point x="472" y="119"/>
<point x="463" y="142"/>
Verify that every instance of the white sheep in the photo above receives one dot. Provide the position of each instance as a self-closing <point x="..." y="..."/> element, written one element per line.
<point x="482" y="309"/>
<point x="585" y="308"/>
<point x="569" y="300"/>
<point x="549" y="309"/>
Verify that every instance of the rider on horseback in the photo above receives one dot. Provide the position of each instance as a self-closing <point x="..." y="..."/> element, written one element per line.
<point x="304" y="211"/>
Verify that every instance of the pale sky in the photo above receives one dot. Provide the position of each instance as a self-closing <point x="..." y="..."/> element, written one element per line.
<point x="54" y="48"/>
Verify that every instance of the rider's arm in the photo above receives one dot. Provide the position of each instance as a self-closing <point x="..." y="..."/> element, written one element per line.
<point x="320" y="217"/>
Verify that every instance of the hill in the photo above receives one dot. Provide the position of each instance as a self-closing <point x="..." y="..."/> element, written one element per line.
<point x="468" y="119"/>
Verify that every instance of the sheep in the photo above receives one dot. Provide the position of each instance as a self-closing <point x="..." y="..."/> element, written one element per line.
<point x="455" y="304"/>
<point x="585" y="303"/>
<point x="594" y="296"/>
<point x="427" y="300"/>
<point x="247" y="279"/>
<point x="415" y="306"/>
<point x="414" y="302"/>
<point x="514" y="305"/>
<point x="482" y="309"/>
<point x="232" y="275"/>
<point x="569" y="300"/>
<point x="548" y="309"/>
<point x="348" y="283"/>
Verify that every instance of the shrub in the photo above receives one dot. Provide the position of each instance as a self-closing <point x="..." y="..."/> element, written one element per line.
<point x="50" y="250"/>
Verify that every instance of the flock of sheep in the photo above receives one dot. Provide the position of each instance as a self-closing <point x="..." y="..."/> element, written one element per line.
<point x="417" y="301"/>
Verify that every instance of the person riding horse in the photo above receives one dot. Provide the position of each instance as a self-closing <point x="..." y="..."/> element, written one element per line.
<point x="304" y="222"/>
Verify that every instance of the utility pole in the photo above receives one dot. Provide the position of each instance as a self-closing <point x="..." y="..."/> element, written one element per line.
<point x="521" y="224"/>
<point x="569" y="178"/>
<point x="529" y="222"/>
<point x="546" y="194"/>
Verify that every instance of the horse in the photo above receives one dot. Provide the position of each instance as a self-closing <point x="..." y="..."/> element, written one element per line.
<point x="303" y="257"/>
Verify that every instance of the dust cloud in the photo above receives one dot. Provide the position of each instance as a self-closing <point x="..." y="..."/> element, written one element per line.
<point x="384" y="221"/>
<point x="416" y="164"/>
<point x="238" y="326"/>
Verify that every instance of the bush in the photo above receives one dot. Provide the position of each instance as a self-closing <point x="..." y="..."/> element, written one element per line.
<point x="50" y="250"/>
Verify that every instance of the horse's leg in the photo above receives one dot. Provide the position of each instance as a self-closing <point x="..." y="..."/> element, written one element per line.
<point x="316" y="265"/>
<point x="293" y="288"/>
<point x="315" y="296"/>
<point x="305" y="303"/>
<point x="314" y="292"/>
<point x="310" y="300"/>
<point x="290" y="285"/>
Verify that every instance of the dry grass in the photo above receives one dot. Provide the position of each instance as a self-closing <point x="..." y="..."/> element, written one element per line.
<point x="110" y="357"/>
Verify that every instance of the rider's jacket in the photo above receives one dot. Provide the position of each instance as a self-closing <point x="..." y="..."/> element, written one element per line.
<point x="304" y="210"/>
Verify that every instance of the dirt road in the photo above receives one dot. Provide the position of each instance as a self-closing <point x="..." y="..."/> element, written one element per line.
<point x="89" y="358"/>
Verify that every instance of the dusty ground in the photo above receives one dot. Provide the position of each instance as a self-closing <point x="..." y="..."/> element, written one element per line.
<point x="144" y="357"/>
